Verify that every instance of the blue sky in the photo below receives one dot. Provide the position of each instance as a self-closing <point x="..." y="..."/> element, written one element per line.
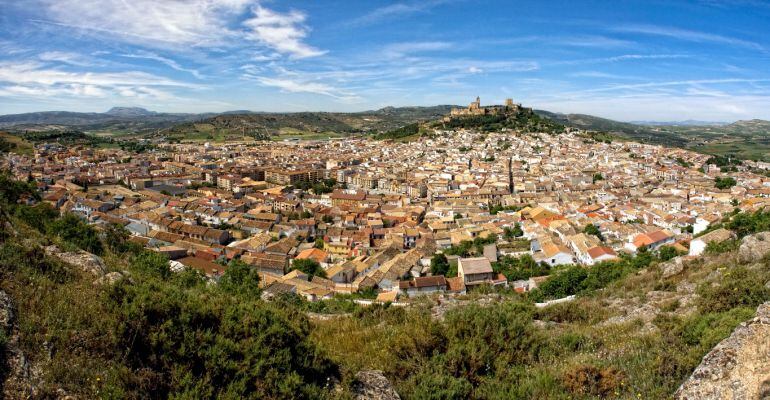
<point x="627" y="60"/>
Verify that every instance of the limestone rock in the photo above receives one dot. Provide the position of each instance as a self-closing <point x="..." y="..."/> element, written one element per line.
<point x="672" y="267"/>
<point x="88" y="262"/>
<point x="17" y="376"/>
<point x="6" y="312"/>
<point x="754" y="247"/>
<point x="373" y="385"/>
<point x="736" y="368"/>
<point x="109" y="279"/>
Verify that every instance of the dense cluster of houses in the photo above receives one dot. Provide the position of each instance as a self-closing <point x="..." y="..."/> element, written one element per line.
<point x="373" y="214"/>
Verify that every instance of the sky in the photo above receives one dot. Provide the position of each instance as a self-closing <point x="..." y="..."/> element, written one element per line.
<point x="628" y="60"/>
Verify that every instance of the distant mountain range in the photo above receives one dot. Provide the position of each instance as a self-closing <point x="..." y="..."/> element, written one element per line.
<point x="744" y="139"/>
<point x="138" y="117"/>
<point x="123" y="119"/>
<point x="689" y="122"/>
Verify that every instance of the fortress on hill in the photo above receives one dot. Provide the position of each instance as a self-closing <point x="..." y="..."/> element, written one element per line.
<point x="475" y="108"/>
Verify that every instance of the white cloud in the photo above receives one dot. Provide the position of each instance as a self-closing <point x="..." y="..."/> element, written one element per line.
<point x="34" y="79"/>
<point x="182" y="24"/>
<point x="281" y="32"/>
<point x="170" y="22"/>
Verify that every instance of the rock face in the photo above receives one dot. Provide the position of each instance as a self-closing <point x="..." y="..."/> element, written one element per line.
<point x="14" y="367"/>
<point x="86" y="261"/>
<point x="738" y="367"/>
<point x="6" y="312"/>
<point x="754" y="247"/>
<point x="373" y="385"/>
<point x="672" y="267"/>
<point x="109" y="279"/>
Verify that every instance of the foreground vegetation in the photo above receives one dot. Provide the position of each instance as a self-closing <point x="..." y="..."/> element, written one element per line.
<point x="157" y="334"/>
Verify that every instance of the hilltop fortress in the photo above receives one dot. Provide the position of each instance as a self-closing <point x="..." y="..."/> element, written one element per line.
<point x="475" y="108"/>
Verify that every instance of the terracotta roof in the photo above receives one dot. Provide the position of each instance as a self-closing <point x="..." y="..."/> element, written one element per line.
<point x="598" y="251"/>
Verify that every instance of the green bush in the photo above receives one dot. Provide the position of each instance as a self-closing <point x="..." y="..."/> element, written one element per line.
<point x="72" y="229"/>
<point x="200" y="343"/>
<point x="739" y="287"/>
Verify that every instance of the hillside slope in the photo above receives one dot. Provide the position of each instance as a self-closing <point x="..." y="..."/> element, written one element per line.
<point x="116" y="323"/>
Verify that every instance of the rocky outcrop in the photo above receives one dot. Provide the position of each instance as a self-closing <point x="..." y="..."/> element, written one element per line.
<point x="738" y="367"/>
<point x="672" y="267"/>
<point x="754" y="247"/>
<point x="6" y="312"/>
<point x="14" y="366"/>
<point x="112" y="278"/>
<point x="85" y="261"/>
<point x="373" y="385"/>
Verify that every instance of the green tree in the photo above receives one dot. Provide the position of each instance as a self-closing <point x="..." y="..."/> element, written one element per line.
<point x="151" y="264"/>
<point x="240" y="279"/>
<point x="439" y="265"/>
<point x="722" y="183"/>
<point x="310" y="267"/>
<point x="116" y="238"/>
<point x="591" y="229"/>
<point x="666" y="253"/>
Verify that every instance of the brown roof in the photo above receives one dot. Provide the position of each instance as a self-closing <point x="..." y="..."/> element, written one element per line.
<point x="207" y="267"/>
<point x="340" y="195"/>
<point x="477" y="265"/>
<point x="456" y="284"/>
<point x="598" y="251"/>
<point x="426" y="281"/>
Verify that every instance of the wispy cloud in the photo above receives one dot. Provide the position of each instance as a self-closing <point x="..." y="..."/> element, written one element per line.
<point x="35" y="79"/>
<point x="164" y="60"/>
<point x="689" y="35"/>
<point x="294" y="82"/>
<point x="664" y="84"/>
<point x="620" y="58"/>
<point x="405" y="48"/>
<point x="400" y="9"/>
<point x="70" y="58"/>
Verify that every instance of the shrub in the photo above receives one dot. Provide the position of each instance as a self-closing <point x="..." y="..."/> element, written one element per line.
<point x="590" y="380"/>
<point x="72" y="229"/>
<point x="739" y="287"/>
<point x="722" y="247"/>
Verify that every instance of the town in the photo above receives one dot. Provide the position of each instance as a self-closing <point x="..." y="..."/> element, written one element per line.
<point x="392" y="220"/>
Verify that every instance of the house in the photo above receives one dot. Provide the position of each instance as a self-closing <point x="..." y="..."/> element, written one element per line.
<point x="554" y="254"/>
<point x="424" y="285"/>
<point x="490" y="252"/>
<point x="277" y="289"/>
<point x="340" y="197"/>
<point x="598" y="254"/>
<point x="387" y="297"/>
<point x="653" y="240"/>
<point x="208" y="268"/>
<point x="475" y="271"/>
<point x="317" y="255"/>
<point x="699" y="244"/>
<point x="455" y="285"/>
